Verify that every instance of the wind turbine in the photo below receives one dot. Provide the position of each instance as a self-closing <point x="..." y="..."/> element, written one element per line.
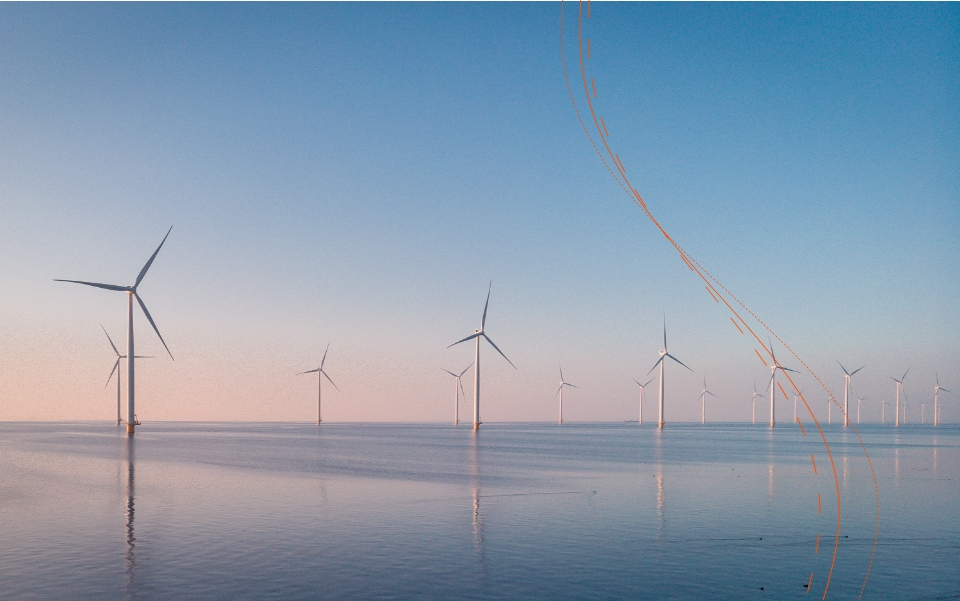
<point x="116" y="366"/>
<point x="478" y="334"/>
<point x="796" y="398"/>
<point x="846" y="391"/>
<point x="663" y="355"/>
<point x="560" y="391"/>
<point x="883" y="412"/>
<point x="936" y="401"/>
<point x="642" y="386"/>
<point x="898" y="387"/>
<point x="923" y="411"/>
<point x="773" y="375"/>
<point x="859" y="400"/>
<point x="131" y="294"/>
<point x="829" y="411"/>
<point x="755" y="395"/>
<point x="319" y="371"/>
<point x="703" y="401"/>
<point x="457" y="389"/>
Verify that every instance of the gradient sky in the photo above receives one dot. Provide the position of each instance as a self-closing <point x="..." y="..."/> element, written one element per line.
<point x="357" y="174"/>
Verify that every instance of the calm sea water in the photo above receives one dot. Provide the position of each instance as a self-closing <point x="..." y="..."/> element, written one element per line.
<point x="520" y="511"/>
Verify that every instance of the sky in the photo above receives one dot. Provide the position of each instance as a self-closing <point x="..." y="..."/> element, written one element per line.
<point x="358" y="174"/>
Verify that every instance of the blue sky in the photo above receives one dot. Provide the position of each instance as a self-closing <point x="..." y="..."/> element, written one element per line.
<point x="358" y="173"/>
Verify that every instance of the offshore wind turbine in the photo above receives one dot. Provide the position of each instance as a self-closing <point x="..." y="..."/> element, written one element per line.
<point x="936" y="401"/>
<point x="923" y="411"/>
<point x="898" y="387"/>
<point x="116" y="366"/>
<point x="319" y="371"/>
<point x="457" y="389"/>
<point x="642" y="386"/>
<point x="846" y="391"/>
<point x="131" y="294"/>
<point x="859" y="400"/>
<point x="663" y="355"/>
<point x="478" y="334"/>
<point x="773" y="376"/>
<point x="560" y="391"/>
<point x="796" y="398"/>
<point x="703" y="401"/>
<point x="755" y="395"/>
<point x="883" y="412"/>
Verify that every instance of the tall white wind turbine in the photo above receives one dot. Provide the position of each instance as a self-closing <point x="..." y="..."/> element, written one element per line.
<point x="320" y="375"/>
<point x="846" y="391"/>
<point x="560" y="391"/>
<point x="755" y="395"/>
<point x="663" y="355"/>
<point x="457" y="389"/>
<point x="642" y="387"/>
<point x="478" y="334"/>
<point x="773" y="376"/>
<point x="131" y="294"/>
<point x="936" y="401"/>
<point x="116" y="368"/>
<point x="703" y="401"/>
<point x="898" y="387"/>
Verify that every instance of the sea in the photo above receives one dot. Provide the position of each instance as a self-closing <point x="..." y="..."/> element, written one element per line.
<point x="187" y="510"/>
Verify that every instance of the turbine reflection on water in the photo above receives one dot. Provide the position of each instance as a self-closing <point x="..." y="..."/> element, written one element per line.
<point x="130" y="558"/>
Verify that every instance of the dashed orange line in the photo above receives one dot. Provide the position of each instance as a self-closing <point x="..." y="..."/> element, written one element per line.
<point x="761" y="358"/>
<point x="809" y="583"/>
<point x="592" y="85"/>
<point x="816" y="549"/>
<point x="814" y="464"/>
<point x="819" y="508"/>
<point x="604" y="127"/>
<point x="736" y="326"/>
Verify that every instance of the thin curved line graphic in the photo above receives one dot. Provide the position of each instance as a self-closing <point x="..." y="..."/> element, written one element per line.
<point x="619" y="174"/>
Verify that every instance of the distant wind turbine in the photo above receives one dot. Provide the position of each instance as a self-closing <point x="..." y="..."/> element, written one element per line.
<point x="796" y="398"/>
<point x="898" y="387"/>
<point x="755" y="395"/>
<point x="560" y="391"/>
<point x="859" y="400"/>
<point x="773" y="376"/>
<point x="936" y="401"/>
<point x="883" y="412"/>
<point x="663" y="355"/>
<point x="457" y="389"/>
<point x="478" y="334"/>
<point x="829" y="411"/>
<point x="846" y="391"/>
<point x="319" y="371"/>
<point x="131" y="294"/>
<point x="923" y="411"/>
<point x="642" y="387"/>
<point x="703" y="401"/>
<point x="116" y="368"/>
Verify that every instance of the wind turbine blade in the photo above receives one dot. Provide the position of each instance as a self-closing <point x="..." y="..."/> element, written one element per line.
<point x="96" y="285"/>
<point x="945" y="390"/>
<point x="111" y="341"/>
<point x="638" y="383"/>
<point x="904" y="375"/>
<point x="558" y="391"/>
<point x="483" y="320"/>
<point x="465" y="369"/>
<point x="324" y="356"/>
<point x="844" y="369"/>
<point x="150" y="319"/>
<point x="141" y="356"/>
<point x="780" y="367"/>
<point x="498" y="350"/>
<point x="571" y="385"/>
<point x="471" y="337"/>
<point x="116" y="364"/>
<point x="656" y="364"/>
<point x="561" y="371"/>
<point x="461" y="389"/>
<point x="713" y="395"/>
<point x="312" y="371"/>
<point x="450" y="372"/>
<point x="143" y="271"/>
<point x="664" y="333"/>
<point x="328" y="379"/>
<point x="858" y="369"/>
<point x="648" y="381"/>
<point x="677" y="360"/>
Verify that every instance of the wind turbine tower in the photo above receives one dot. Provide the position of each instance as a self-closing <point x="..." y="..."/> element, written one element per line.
<point x="755" y="395"/>
<point x="898" y="387"/>
<point x="132" y="294"/>
<point x="773" y="376"/>
<point x="846" y="391"/>
<point x="457" y="389"/>
<point x="663" y="355"/>
<point x="320" y="376"/>
<point x="478" y="334"/>
<point x="642" y="386"/>
<point x="703" y="401"/>
<point x="936" y="401"/>
<point x="560" y="391"/>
